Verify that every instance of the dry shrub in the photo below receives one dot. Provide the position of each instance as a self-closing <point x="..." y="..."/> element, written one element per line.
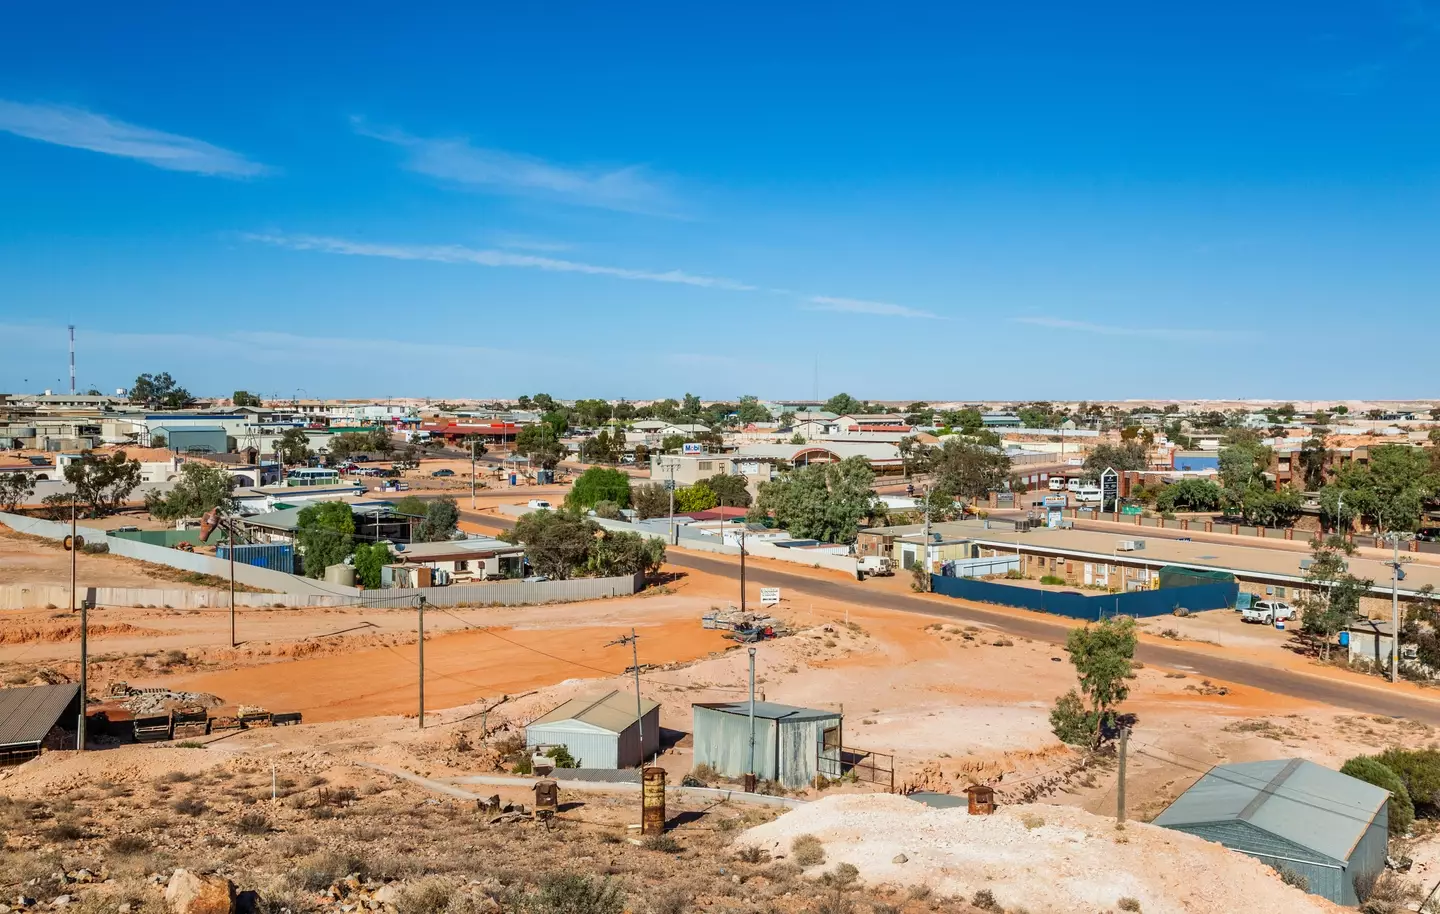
<point x="663" y="843"/>
<point x="985" y="901"/>
<point x="189" y="806"/>
<point x="1131" y="905"/>
<point x="807" y="850"/>
<point x="129" y="844"/>
<point x="64" y="830"/>
<point x="752" y="854"/>
<point x="253" y="823"/>
<point x="428" y="896"/>
<point x="671" y="901"/>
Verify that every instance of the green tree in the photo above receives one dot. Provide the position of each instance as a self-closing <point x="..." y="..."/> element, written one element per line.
<point x="691" y="407"/>
<point x="823" y="501"/>
<point x="245" y="398"/>
<point x="374" y="441"/>
<point x="730" y="491"/>
<point x="967" y="469"/>
<point x="103" y="484"/>
<point x="369" y="559"/>
<point x="201" y="488"/>
<point x="15" y="490"/>
<point x="650" y="500"/>
<point x="599" y="484"/>
<point x="325" y="536"/>
<point x="796" y="439"/>
<point x="749" y="410"/>
<point x="1419" y="770"/>
<point x="1189" y="495"/>
<point x="1313" y="457"/>
<point x="614" y="553"/>
<point x="293" y="447"/>
<point x="1127" y="456"/>
<point x="1392" y="490"/>
<point x="603" y="447"/>
<point x="1372" y="771"/>
<point x="540" y="445"/>
<point x="699" y="497"/>
<point x="842" y="404"/>
<point x="159" y="391"/>
<point x="1330" y="599"/>
<point x="559" y="422"/>
<point x="1103" y="655"/>
<point x="442" y="517"/>
<point x="557" y="543"/>
<point x="544" y="403"/>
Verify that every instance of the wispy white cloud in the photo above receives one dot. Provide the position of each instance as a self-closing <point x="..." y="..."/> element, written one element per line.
<point x="258" y="346"/>
<point x="81" y="129"/>
<point x="860" y="306"/>
<point x="1176" y="333"/>
<point x="450" y="253"/>
<point x="630" y="189"/>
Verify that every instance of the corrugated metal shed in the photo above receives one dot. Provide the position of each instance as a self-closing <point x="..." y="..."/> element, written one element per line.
<point x="27" y="716"/>
<point x="1292" y="814"/>
<point x="788" y="739"/>
<point x="600" y="731"/>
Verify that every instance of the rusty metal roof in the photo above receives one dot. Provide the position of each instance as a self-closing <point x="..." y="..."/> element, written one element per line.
<point x="26" y="715"/>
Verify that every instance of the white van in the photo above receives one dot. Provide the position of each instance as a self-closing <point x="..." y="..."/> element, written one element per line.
<point x="1057" y="484"/>
<point x="1074" y="483"/>
<point x="1087" y="494"/>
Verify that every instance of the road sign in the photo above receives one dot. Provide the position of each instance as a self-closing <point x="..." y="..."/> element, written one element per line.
<point x="1109" y="490"/>
<point x="1054" y="501"/>
<point x="692" y="447"/>
<point x="769" y="596"/>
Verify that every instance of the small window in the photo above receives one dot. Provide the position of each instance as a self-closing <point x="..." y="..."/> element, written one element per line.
<point x="706" y="464"/>
<point x="1269" y="590"/>
<point x="1279" y="591"/>
<point x="462" y="565"/>
<point x="831" y="738"/>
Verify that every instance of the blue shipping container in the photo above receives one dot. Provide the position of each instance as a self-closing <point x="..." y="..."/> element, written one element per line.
<point x="274" y="556"/>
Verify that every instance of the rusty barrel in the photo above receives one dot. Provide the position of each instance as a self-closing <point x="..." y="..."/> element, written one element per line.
<point x="652" y="797"/>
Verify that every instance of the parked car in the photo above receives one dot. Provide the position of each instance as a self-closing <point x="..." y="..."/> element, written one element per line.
<point x="540" y="504"/>
<point x="443" y="473"/>
<point x="361" y="458"/>
<point x="1268" y="612"/>
<point x="537" y="579"/>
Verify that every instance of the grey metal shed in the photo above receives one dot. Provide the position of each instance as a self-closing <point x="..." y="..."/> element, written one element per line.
<point x="1294" y="815"/>
<point x="28" y="715"/>
<point x="600" y="731"/>
<point x="788" y="740"/>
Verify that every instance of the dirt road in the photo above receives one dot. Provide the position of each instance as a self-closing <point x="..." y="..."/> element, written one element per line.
<point x="1372" y="700"/>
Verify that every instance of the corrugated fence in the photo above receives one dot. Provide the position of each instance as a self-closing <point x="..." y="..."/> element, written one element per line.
<point x="1138" y="604"/>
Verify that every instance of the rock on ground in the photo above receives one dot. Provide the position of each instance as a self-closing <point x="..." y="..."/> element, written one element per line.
<point x="1039" y="858"/>
<point x="190" y="893"/>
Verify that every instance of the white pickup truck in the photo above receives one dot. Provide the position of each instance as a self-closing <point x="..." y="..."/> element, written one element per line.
<point x="1268" y="612"/>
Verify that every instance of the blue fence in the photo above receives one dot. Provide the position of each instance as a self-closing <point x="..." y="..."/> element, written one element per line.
<point x="1138" y="604"/>
<point x="275" y="556"/>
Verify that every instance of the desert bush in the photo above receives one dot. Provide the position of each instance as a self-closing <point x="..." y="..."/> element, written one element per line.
<point x="189" y="806"/>
<point x="1131" y="905"/>
<point x="428" y="896"/>
<point x="671" y="901"/>
<point x="253" y="823"/>
<point x="1052" y="579"/>
<point x="129" y="843"/>
<point x="843" y="876"/>
<point x="807" y="850"/>
<point x="1419" y="771"/>
<point x="920" y="892"/>
<point x="1032" y="821"/>
<point x="705" y="774"/>
<point x="317" y="872"/>
<point x="571" y="893"/>
<point x="836" y="902"/>
<point x="1372" y="771"/>
<point x="752" y="854"/>
<point x="985" y="901"/>
<point x="1294" y="879"/>
<point x="663" y="843"/>
<point x="64" y="830"/>
<point x="174" y="777"/>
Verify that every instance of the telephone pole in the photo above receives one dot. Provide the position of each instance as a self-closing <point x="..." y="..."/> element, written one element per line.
<point x="422" y="663"/>
<point x="472" y="473"/>
<point x="1120" y="788"/>
<point x="84" y="634"/>
<point x="230" y="526"/>
<point x="632" y="639"/>
<point x="750" y="769"/>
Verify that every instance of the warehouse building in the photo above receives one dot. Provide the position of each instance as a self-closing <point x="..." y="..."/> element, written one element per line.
<point x="788" y="740"/>
<point x="599" y="731"/>
<point x="1294" y="815"/>
<point x="34" y="717"/>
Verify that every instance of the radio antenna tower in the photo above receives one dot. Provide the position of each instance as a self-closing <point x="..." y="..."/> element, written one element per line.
<point x="72" y="359"/>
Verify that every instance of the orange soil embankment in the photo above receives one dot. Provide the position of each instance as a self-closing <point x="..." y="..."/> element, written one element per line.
<point x="459" y="668"/>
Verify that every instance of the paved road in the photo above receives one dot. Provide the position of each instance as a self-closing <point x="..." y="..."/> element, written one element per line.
<point x="1370" y="700"/>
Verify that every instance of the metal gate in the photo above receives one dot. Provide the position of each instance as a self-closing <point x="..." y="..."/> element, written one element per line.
<point x="834" y="761"/>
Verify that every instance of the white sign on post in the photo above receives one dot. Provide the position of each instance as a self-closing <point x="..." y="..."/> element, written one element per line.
<point x="769" y="596"/>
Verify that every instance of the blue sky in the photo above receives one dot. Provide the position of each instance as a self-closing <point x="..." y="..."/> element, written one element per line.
<point x="948" y="201"/>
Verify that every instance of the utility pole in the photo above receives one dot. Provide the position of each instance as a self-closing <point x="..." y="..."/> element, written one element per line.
<point x="674" y="538"/>
<point x="925" y="545"/>
<point x="472" y="473"/>
<point x="750" y="769"/>
<point x="742" y="594"/>
<point x="231" y="527"/>
<point x="1120" y="789"/>
<point x="84" y="633"/>
<point x="422" y="663"/>
<point x="632" y="639"/>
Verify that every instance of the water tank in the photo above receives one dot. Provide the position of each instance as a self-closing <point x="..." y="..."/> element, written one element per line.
<point x="343" y="575"/>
